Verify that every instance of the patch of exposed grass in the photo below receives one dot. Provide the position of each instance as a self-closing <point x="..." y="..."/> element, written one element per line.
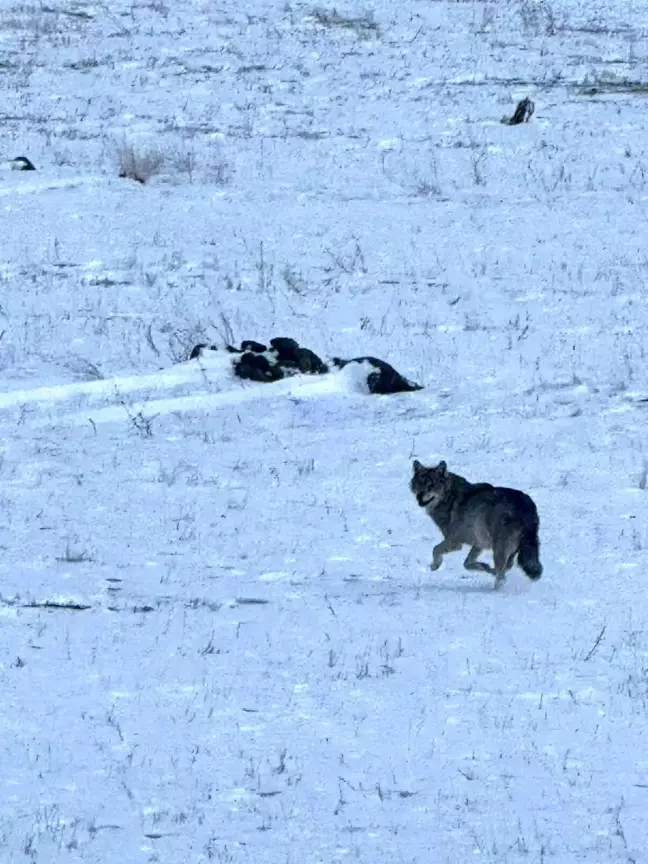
<point x="602" y="88"/>
<point x="363" y="26"/>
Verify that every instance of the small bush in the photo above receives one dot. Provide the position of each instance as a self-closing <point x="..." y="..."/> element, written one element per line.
<point x="139" y="166"/>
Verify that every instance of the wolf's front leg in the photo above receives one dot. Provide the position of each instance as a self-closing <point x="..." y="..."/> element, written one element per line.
<point x="471" y="562"/>
<point x="440" y="550"/>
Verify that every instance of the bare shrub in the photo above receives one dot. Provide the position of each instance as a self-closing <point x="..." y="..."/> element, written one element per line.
<point x="71" y="556"/>
<point x="84" y="369"/>
<point x="537" y="18"/>
<point x="180" y="340"/>
<point x="185" y="161"/>
<point x="219" y="173"/>
<point x="141" y="424"/>
<point x="33" y="20"/>
<point x="140" y="166"/>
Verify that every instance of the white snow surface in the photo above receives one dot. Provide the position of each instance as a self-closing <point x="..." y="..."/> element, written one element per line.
<point x="220" y="639"/>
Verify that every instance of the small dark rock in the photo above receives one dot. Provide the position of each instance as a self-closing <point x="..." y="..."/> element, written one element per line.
<point x="286" y="349"/>
<point x="22" y="163"/>
<point x="127" y="175"/>
<point x="286" y="357"/>
<point x="251" y="345"/>
<point x="198" y="350"/>
<point x="310" y="363"/>
<point x="248" y="345"/>
<point x="384" y="380"/>
<point x="522" y="114"/>
<point x="256" y="367"/>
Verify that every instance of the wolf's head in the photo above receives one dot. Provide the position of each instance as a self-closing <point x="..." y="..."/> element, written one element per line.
<point x="429" y="484"/>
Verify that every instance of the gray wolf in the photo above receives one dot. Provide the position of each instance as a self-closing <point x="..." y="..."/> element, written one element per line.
<point x="482" y="516"/>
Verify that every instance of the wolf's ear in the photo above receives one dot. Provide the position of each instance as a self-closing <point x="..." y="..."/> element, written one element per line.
<point x="416" y="465"/>
<point x="441" y="469"/>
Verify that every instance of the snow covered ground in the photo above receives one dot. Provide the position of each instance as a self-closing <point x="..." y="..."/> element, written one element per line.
<point x="219" y="636"/>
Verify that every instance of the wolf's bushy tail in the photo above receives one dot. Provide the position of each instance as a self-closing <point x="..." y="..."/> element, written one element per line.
<point x="529" y="553"/>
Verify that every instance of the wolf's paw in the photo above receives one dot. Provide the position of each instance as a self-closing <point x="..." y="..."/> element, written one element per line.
<point x="435" y="565"/>
<point x="499" y="582"/>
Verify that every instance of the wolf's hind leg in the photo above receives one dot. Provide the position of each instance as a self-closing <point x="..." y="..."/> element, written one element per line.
<point x="471" y="562"/>
<point x="503" y="561"/>
<point x="442" y="549"/>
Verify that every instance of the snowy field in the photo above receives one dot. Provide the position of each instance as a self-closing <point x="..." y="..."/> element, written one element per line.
<point x="220" y="639"/>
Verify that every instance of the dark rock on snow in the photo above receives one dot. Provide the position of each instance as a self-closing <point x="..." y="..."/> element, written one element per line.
<point x="22" y="163"/>
<point x="248" y="345"/>
<point x="384" y="380"/>
<point x="285" y="349"/>
<point x="287" y="357"/>
<point x="199" y="349"/>
<point x="522" y="113"/>
<point x="257" y="367"/>
<point x="290" y="354"/>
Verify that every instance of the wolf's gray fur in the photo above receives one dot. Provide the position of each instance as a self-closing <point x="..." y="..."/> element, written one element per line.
<point x="484" y="516"/>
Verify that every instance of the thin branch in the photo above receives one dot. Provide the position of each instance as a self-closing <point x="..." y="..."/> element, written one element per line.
<point x="597" y="643"/>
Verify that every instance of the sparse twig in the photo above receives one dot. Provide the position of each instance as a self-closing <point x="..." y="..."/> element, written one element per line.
<point x="596" y="643"/>
<point x="70" y="557"/>
<point x="225" y="330"/>
<point x="142" y="424"/>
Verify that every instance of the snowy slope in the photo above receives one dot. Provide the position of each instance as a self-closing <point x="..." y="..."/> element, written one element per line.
<point x="220" y="638"/>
